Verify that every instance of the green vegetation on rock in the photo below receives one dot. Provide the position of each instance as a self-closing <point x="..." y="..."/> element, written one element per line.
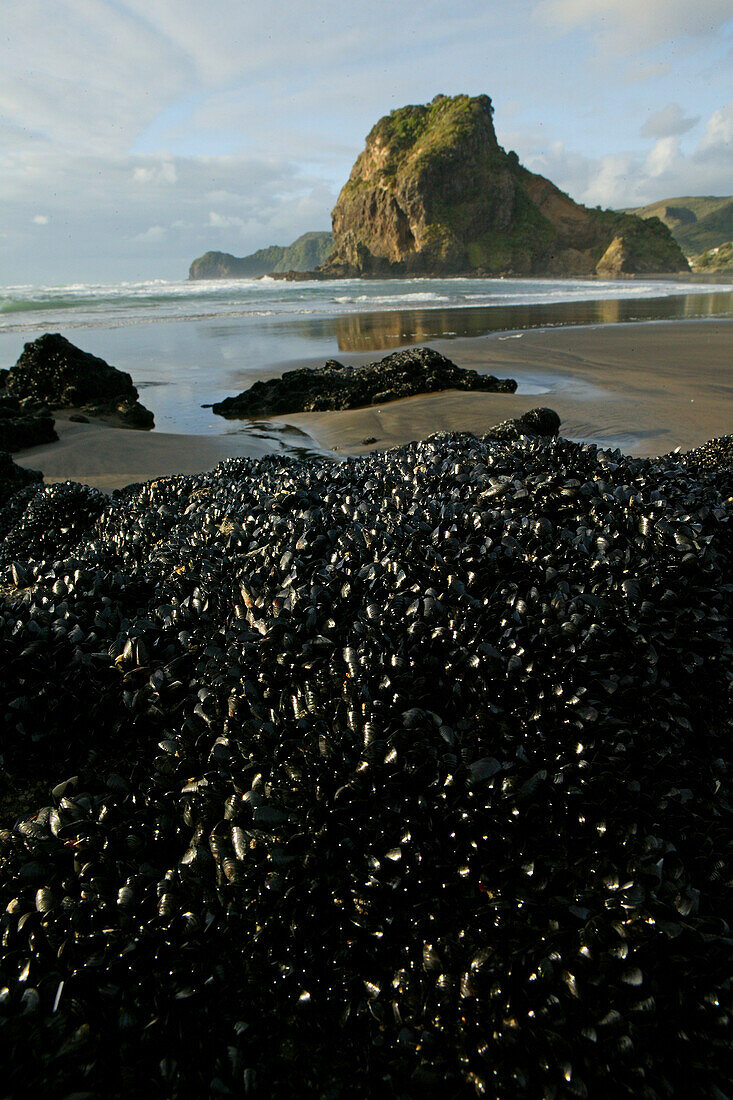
<point x="698" y="223"/>
<point x="305" y="254"/>
<point x="715" y="259"/>
<point x="428" y="131"/>
<point x="433" y="193"/>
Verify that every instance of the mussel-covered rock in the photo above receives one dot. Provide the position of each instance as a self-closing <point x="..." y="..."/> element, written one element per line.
<point x="403" y="776"/>
<point x="539" y="422"/>
<point x="24" y="424"/>
<point x="335" y="386"/>
<point x="52" y="371"/>
<point x="715" y="454"/>
<point x="13" y="478"/>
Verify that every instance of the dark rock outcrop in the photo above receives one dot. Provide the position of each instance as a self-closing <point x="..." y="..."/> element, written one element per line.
<point x="24" y="424"/>
<point x="335" y="386"/>
<point x="53" y="372"/>
<point x="360" y="779"/>
<point x="714" y="454"/>
<point x="433" y="193"/>
<point x="13" y="478"/>
<point x="541" y="422"/>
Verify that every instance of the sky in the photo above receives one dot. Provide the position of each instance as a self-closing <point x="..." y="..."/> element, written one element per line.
<point x="137" y="134"/>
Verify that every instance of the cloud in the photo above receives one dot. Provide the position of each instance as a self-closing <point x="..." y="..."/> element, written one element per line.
<point x="627" y="179"/>
<point x="40" y="219"/>
<point x="622" y="24"/>
<point x="149" y="228"/>
<point x="224" y="221"/>
<point x="637" y="74"/>
<point x="718" y="134"/>
<point x="163" y="171"/>
<point x="129" y="67"/>
<point x="147" y="131"/>
<point x="221" y="196"/>
<point x="603" y="181"/>
<point x="154" y="233"/>
<point x="108" y="78"/>
<point x="662" y="157"/>
<point x="669" y="122"/>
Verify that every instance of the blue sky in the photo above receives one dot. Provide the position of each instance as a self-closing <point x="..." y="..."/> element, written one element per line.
<point x="136" y="134"/>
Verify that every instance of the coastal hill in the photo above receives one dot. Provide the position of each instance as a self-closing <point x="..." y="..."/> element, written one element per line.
<point x="307" y="252"/>
<point x="698" y="223"/>
<point x="719" y="259"/>
<point x="433" y="193"/>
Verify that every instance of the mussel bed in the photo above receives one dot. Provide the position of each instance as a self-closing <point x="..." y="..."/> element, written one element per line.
<point x="402" y="776"/>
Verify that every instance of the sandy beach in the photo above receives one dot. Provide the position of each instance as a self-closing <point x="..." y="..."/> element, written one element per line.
<point x="645" y="388"/>
<point x="110" y="458"/>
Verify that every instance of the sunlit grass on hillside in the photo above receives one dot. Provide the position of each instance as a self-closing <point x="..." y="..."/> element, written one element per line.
<point x="698" y="223"/>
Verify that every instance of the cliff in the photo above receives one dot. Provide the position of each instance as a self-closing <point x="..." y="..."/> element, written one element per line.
<point x="433" y="193"/>
<point x="307" y="252"/>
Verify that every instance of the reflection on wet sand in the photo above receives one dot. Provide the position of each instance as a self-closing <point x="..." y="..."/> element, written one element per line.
<point x="283" y="438"/>
<point x="397" y="328"/>
<point x="643" y="388"/>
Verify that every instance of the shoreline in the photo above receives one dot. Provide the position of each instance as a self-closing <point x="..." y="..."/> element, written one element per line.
<point x="109" y="458"/>
<point x="722" y="276"/>
<point x="589" y="374"/>
<point x="645" y="387"/>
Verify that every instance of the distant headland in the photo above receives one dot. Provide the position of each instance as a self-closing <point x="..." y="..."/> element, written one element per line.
<point x="434" y="194"/>
<point x="309" y="251"/>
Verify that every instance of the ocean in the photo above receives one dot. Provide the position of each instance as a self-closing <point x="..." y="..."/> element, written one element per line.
<point x="188" y="344"/>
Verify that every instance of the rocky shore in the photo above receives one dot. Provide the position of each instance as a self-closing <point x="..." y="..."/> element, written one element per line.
<point x="334" y="386"/>
<point x="52" y="374"/>
<point x="24" y="423"/>
<point x="406" y="775"/>
<point x="13" y="477"/>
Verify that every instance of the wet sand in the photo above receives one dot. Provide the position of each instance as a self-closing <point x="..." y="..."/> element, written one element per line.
<point x="644" y="387"/>
<point x="110" y="458"/>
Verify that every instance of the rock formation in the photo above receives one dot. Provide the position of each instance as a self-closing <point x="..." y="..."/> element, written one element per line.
<point x="310" y="250"/>
<point x="335" y="386"/>
<point x="55" y="373"/>
<point x="13" y="478"/>
<point x="541" y="422"/>
<point x="23" y="423"/>
<point x="433" y="193"/>
<point x="698" y="223"/>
